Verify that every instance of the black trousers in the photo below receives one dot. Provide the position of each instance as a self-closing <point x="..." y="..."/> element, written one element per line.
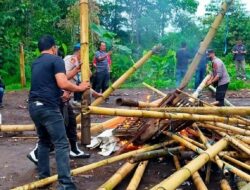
<point x="70" y="122"/>
<point x="101" y="81"/>
<point x="220" y="94"/>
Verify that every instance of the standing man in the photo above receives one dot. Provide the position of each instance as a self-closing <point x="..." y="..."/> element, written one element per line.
<point x="102" y="65"/>
<point x="201" y="70"/>
<point x="47" y="79"/>
<point x="182" y="57"/>
<point x="239" y="52"/>
<point x="219" y="77"/>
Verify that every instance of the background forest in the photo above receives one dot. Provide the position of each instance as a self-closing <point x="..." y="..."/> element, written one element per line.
<point x="129" y="27"/>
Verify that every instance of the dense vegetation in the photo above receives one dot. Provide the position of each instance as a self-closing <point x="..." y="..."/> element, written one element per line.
<point x="130" y="28"/>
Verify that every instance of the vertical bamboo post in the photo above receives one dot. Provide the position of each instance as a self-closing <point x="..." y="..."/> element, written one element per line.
<point x="210" y="35"/>
<point x="22" y="67"/>
<point x="84" y="35"/>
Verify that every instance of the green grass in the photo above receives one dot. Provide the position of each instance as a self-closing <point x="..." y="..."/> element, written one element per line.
<point x="17" y="86"/>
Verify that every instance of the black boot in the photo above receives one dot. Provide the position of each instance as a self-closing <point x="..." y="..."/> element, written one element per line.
<point x="75" y="152"/>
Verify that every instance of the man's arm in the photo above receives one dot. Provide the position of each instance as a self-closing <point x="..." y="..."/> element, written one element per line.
<point x="65" y="84"/>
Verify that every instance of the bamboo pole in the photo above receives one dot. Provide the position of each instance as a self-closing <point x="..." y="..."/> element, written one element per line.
<point x="200" y="88"/>
<point x="228" y="127"/>
<point x="239" y="163"/>
<point x="12" y="128"/>
<point x="198" y="182"/>
<point x="224" y="185"/>
<point x="135" y="181"/>
<point x="218" y="161"/>
<point x="207" y="40"/>
<point x="158" y="115"/>
<point x="74" y="172"/>
<point x="155" y="154"/>
<point x="235" y="154"/>
<point x="243" y="138"/>
<point x="117" y="177"/>
<point x="176" y="179"/>
<point x="31" y="127"/>
<point x="235" y="142"/>
<point x="227" y="111"/>
<point x="154" y="89"/>
<point x="22" y="66"/>
<point x="85" y="70"/>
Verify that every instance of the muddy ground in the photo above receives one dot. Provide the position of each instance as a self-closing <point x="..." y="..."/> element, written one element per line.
<point x="17" y="170"/>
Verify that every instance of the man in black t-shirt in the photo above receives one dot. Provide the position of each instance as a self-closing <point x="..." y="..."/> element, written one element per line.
<point x="47" y="79"/>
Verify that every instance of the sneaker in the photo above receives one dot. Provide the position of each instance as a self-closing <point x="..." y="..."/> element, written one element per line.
<point x="32" y="156"/>
<point x="244" y="78"/>
<point x="75" y="152"/>
<point x="238" y="78"/>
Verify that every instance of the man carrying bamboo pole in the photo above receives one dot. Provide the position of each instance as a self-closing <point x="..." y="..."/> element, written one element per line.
<point x="219" y="77"/>
<point x="47" y="79"/>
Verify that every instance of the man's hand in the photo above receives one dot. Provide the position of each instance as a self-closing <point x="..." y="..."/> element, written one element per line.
<point x="66" y="96"/>
<point x="110" y="52"/>
<point x="96" y="94"/>
<point x="84" y="86"/>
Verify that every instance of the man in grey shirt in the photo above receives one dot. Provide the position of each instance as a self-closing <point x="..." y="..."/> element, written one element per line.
<point x="239" y="51"/>
<point x="219" y="77"/>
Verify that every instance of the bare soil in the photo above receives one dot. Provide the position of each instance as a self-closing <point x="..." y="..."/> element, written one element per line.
<point x="17" y="170"/>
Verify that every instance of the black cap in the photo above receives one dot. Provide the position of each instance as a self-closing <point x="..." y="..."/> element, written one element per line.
<point x="210" y="51"/>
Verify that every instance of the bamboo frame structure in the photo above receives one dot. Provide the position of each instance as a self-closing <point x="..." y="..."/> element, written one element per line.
<point x="118" y="176"/>
<point x="207" y="40"/>
<point x="74" y="172"/>
<point x="135" y="181"/>
<point x="176" y="179"/>
<point x="227" y="111"/>
<point x="163" y="115"/>
<point x="85" y="70"/>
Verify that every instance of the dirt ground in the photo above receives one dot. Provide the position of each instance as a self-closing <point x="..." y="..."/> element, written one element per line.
<point x="17" y="170"/>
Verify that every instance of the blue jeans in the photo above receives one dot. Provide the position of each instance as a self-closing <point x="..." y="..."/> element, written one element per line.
<point x="50" y="129"/>
<point x="1" y="95"/>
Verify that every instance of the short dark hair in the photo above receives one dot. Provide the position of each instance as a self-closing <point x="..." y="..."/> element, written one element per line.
<point x="99" y="44"/>
<point x="46" y="42"/>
